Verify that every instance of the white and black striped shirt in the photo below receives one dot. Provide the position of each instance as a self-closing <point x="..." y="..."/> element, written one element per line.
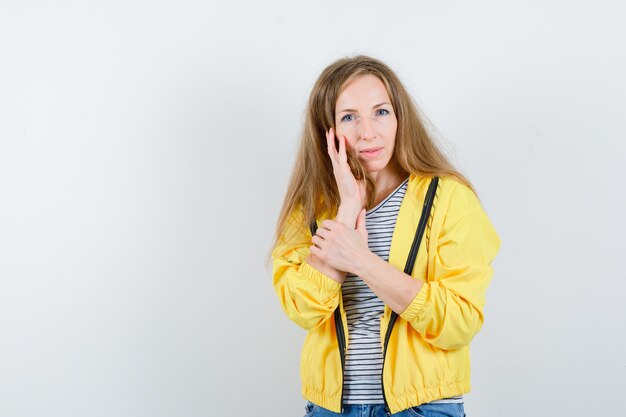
<point x="364" y="358"/>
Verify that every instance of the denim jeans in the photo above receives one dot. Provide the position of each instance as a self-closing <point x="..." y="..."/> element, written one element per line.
<point x="378" y="410"/>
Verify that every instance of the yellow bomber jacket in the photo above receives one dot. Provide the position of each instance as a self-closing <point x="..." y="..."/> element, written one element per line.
<point x="427" y="354"/>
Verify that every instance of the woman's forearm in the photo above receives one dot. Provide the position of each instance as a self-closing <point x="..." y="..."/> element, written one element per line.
<point x="394" y="287"/>
<point x="347" y="215"/>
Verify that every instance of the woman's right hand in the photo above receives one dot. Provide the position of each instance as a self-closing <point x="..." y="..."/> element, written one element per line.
<point x="351" y="191"/>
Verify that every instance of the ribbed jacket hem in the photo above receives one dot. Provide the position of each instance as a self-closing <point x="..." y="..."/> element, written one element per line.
<point x="397" y="402"/>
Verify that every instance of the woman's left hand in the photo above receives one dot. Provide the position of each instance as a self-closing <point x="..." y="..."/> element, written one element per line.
<point x="340" y="246"/>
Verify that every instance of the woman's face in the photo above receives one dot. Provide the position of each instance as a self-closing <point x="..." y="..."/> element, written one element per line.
<point x="364" y="115"/>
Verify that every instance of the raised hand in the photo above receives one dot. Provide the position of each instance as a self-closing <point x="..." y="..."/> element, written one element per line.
<point x="351" y="191"/>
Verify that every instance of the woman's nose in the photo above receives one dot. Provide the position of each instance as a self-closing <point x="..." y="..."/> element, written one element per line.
<point x="367" y="128"/>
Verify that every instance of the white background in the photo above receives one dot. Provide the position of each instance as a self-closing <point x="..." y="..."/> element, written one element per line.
<point x="145" y="148"/>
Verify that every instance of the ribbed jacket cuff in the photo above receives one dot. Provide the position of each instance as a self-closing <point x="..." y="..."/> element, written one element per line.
<point x="416" y="309"/>
<point x="321" y="281"/>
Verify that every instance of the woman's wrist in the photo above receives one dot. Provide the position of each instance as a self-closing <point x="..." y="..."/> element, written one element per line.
<point x="347" y="215"/>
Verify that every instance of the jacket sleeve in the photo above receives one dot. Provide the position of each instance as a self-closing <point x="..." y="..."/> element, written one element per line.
<point x="307" y="296"/>
<point x="448" y="309"/>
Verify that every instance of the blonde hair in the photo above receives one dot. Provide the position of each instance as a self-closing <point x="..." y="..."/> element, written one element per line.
<point x="312" y="187"/>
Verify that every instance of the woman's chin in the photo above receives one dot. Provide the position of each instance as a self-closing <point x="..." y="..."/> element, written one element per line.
<point x="373" y="166"/>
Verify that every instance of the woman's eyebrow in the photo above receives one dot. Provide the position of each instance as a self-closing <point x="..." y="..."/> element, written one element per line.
<point x="373" y="107"/>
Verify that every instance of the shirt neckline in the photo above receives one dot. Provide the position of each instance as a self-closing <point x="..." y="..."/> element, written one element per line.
<point x="373" y="209"/>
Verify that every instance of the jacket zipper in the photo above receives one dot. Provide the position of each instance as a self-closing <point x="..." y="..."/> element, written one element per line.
<point x="342" y="346"/>
<point x="341" y="338"/>
<point x="392" y="321"/>
<point x="408" y="268"/>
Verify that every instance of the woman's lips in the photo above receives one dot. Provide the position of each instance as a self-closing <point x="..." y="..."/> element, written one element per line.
<point x="372" y="154"/>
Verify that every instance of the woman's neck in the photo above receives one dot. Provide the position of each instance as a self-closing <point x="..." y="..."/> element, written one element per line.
<point x="386" y="181"/>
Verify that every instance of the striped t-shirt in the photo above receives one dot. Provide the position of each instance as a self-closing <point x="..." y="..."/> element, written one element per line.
<point x="364" y="358"/>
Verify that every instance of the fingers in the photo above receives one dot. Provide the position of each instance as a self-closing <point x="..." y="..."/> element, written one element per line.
<point x="314" y="250"/>
<point x="343" y="157"/>
<point x="337" y="157"/>
<point x="329" y="224"/>
<point x="330" y="142"/>
<point x="322" y="231"/>
<point x="317" y="241"/>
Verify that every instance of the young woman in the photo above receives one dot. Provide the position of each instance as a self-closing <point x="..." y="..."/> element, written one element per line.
<point x="382" y="253"/>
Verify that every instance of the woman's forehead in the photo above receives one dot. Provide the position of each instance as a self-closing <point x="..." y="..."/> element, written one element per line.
<point x="364" y="90"/>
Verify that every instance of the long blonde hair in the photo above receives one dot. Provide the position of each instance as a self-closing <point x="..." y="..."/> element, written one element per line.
<point x="312" y="187"/>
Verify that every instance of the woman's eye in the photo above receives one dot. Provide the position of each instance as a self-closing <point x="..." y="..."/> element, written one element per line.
<point x="345" y="118"/>
<point x="383" y="112"/>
